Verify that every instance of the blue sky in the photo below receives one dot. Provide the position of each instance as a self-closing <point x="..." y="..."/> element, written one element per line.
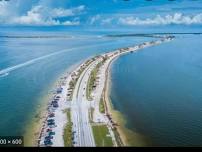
<point x="100" y="13"/>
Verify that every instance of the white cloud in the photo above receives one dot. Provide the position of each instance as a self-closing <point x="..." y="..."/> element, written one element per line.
<point x="100" y="20"/>
<point x="106" y="21"/>
<point x="60" y="12"/>
<point x="40" y="15"/>
<point x="94" y="19"/>
<point x="129" y="19"/>
<point x="177" y="18"/>
<point x="75" y="22"/>
<point x="4" y="10"/>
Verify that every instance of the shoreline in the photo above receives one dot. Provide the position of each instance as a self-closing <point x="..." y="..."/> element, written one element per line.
<point x="33" y="126"/>
<point x="109" y="106"/>
<point x="126" y="135"/>
<point x="32" y="130"/>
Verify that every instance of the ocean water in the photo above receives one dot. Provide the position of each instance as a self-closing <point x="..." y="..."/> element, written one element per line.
<point x="34" y="64"/>
<point x="159" y="91"/>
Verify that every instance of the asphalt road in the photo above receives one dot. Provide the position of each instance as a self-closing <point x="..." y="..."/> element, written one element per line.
<point x="82" y="131"/>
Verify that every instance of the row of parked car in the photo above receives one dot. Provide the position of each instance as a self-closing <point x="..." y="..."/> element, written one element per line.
<point x="50" y="122"/>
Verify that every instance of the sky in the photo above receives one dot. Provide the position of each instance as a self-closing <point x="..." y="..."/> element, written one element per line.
<point x="100" y="13"/>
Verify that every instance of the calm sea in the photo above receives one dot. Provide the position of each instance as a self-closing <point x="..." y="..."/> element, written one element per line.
<point x="159" y="91"/>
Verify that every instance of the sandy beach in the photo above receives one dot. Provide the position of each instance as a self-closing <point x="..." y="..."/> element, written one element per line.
<point x="35" y="124"/>
<point x="128" y="137"/>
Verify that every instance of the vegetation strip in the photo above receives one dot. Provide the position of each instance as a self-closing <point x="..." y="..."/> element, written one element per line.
<point x="68" y="130"/>
<point x="73" y="81"/>
<point x="101" y="105"/>
<point x="92" y="79"/>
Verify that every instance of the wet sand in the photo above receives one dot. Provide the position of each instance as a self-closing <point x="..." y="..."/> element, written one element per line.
<point x="128" y="137"/>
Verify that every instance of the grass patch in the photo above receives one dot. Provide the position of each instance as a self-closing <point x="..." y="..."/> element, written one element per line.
<point x="101" y="106"/>
<point x="91" y="111"/>
<point x="92" y="80"/>
<point x="68" y="130"/>
<point x="91" y="84"/>
<point x="102" y="136"/>
<point x="73" y="82"/>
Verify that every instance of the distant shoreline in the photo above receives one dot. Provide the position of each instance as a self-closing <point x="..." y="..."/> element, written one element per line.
<point x="154" y="35"/>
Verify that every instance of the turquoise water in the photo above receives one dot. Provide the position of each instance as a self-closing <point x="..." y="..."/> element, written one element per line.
<point x="159" y="91"/>
<point x="22" y="88"/>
